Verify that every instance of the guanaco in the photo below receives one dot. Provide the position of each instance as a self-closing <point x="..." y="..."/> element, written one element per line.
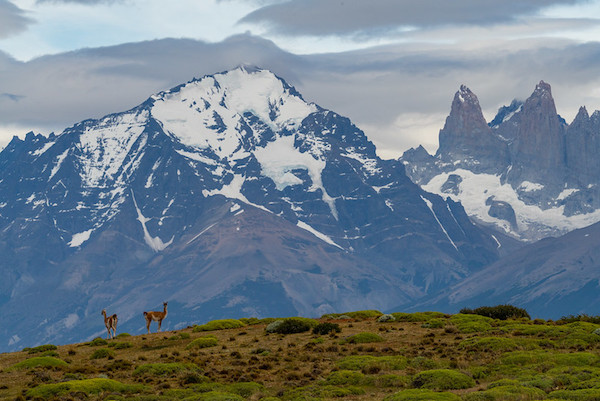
<point x="157" y="316"/>
<point x="111" y="324"/>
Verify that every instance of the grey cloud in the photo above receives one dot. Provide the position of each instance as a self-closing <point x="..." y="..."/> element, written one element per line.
<point x="391" y="92"/>
<point x="352" y="17"/>
<point x="85" y="2"/>
<point x="13" y="20"/>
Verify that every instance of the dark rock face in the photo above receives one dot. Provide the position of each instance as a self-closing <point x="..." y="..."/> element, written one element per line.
<point x="227" y="202"/>
<point x="527" y="156"/>
<point x="466" y="137"/>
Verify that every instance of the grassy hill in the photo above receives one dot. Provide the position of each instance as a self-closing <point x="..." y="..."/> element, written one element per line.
<point x="419" y="356"/>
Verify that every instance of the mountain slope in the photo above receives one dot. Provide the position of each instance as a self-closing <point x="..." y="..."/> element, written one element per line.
<point x="228" y="195"/>
<point x="551" y="278"/>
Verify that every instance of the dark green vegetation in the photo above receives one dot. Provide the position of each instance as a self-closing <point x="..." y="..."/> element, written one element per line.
<point x="350" y="356"/>
<point x="501" y="312"/>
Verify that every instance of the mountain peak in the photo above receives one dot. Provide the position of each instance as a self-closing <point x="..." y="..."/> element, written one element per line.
<point x="465" y="95"/>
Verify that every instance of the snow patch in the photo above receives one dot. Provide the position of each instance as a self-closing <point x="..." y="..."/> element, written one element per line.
<point x="80" y="238"/>
<point x="317" y="234"/>
<point x="566" y="193"/>
<point x="430" y="206"/>
<point x="475" y="189"/>
<point x="43" y="149"/>
<point x="528" y="186"/>
<point x="59" y="161"/>
<point x="278" y="158"/>
<point x="153" y="242"/>
<point x="201" y="232"/>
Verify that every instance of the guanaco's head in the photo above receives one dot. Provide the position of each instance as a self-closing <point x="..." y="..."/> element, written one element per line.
<point x="103" y="312"/>
<point x="165" y="304"/>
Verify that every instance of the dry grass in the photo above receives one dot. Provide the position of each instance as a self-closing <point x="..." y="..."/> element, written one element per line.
<point x="279" y="363"/>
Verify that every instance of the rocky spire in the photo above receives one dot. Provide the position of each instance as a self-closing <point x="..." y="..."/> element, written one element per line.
<point x="466" y="134"/>
<point x="539" y="145"/>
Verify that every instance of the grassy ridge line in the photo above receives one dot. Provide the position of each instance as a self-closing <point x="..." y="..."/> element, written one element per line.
<point x="373" y="356"/>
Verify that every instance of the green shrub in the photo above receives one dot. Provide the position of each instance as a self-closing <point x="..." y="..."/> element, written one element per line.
<point x="421" y="395"/>
<point x="216" y="396"/>
<point x="434" y="323"/>
<point x="326" y="328"/>
<point x="97" y="342"/>
<point x="318" y="392"/>
<point x="522" y="358"/>
<point x="41" y="348"/>
<point x="363" y="362"/>
<point x="471" y="323"/>
<point x="497" y="344"/>
<point x="421" y="362"/>
<point x="163" y="369"/>
<point x="101" y="353"/>
<point x="346" y="377"/>
<point x="579" y="318"/>
<point x="578" y="395"/>
<point x="418" y="316"/>
<point x="203" y="342"/>
<point x="222" y="324"/>
<point x="500" y="312"/>
<point x="122" y="345"/>
<point x="507" y="393"/>
<point x="40" y="361"/>
<point x="121" y="335"/>
<point x="87" y="386"/>
<point x="442" y="379"/>
<point x="361" y="338"/>
<point x="291" y="325"/>
<point x="386" y="318"/>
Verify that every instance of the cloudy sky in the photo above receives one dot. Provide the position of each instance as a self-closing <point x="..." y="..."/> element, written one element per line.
<point x="391" y="66"/>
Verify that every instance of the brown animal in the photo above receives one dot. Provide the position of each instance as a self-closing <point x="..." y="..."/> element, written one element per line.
<point x="111" y="324"/>
<point x="156" y="316"/>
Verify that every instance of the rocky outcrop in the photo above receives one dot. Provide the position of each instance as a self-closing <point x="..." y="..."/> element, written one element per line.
<point x="466" y="139"/>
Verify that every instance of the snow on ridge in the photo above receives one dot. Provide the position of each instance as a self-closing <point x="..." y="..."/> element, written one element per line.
<point x="566" y="193"/>
<point x="317" y="234"/>
<point x="233" y="190"/>
<point x="209" y="113"/>
<point x="528" y="186"/>
<point x="105" y="146"/>
<point x="80" y="238"/>
<point x="153" y="242"/>
<point x="279" y="158"/>
<point x="475" y="189"/>
<point x="43" y="149"/>
<point x="59" y="160"/>
<point x="430" y="206"/>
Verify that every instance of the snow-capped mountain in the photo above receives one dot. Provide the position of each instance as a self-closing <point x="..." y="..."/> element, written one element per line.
<point x="527" y="172"/>
<point x="227" y="196"/>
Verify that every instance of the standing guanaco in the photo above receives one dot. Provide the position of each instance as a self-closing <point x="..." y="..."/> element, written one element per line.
<point x="156" y="316"/>
<point x="111" y="324"/>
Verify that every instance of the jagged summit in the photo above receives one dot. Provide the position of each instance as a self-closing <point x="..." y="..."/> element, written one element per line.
<point x="529" y="161"/>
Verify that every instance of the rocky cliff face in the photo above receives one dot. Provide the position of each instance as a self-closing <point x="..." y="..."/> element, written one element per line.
<point x="227" y="196"/>
<point x="529" y="173"/>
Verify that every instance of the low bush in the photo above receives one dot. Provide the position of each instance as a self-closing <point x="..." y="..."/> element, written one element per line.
<point x="579" y="318"/>
<point x="217" y="396"/>
<point x="326" y="328"/>
<point x="577" y="395"/>
<point x="347" y="377"/>
<point x="163" y="369"/>
<point x="291" y="325"/>
<point x="507" y="393"/>
<point x="467" y="324"/>
<point x="421" y="395"/>
<point x="319" y="392"/>
<point x="203" y="342"/>
<point x="442" y="379"/>
<point x="87" y="386"/>
<point x="418" y="316"/>
<point x="41" y="348"/>
<point x="386" y="318"/>
<point x="101" y="353"/>
<point x="121" y="335"/>
<point x="40" y="361"/>
<point x="500" y="312"/>
<point x="364" y="362"/>
<point x="97" y="342"/>
<point x="497" y="344"/>
<point x="222" y="324"/>
<point x="361" y="338"/>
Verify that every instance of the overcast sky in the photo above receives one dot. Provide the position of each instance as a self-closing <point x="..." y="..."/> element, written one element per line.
<point x="391" y="66"/>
